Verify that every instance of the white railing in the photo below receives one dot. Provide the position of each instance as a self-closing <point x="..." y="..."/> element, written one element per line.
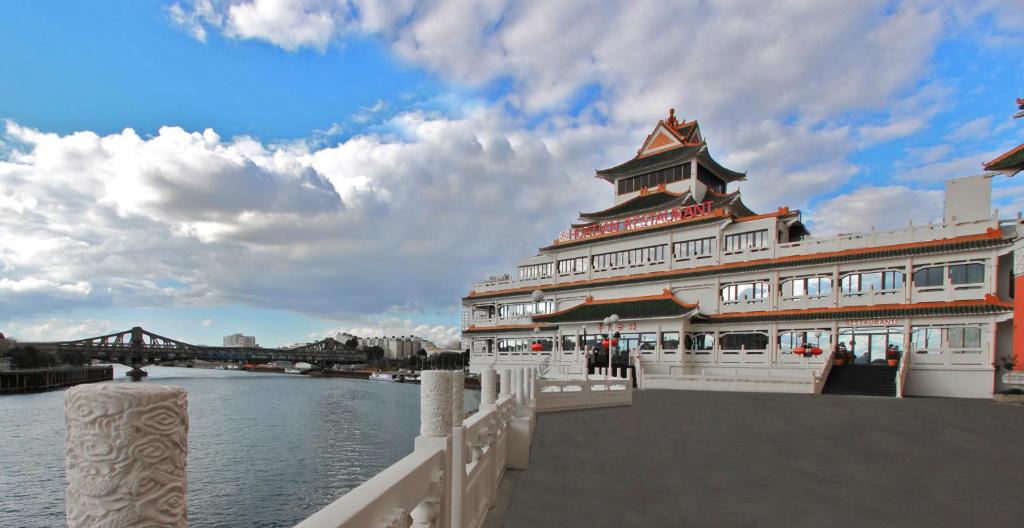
<point x="821" y="376"/>
<point x="588" y="393"/>
<point x="901" y="375"/>
<point x="389" y="498"/>
<point x="808" y="245"/>
<point x="451" y="478"/>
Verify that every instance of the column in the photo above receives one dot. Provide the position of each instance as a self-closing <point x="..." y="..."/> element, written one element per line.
<point x="460" y="453"/>
<point x="436" y="430"/>
<point x="488" y="386"/>
<point x="125" y="453"/>
<point x="1018" y="309"/>
<point x="506" y="382"/>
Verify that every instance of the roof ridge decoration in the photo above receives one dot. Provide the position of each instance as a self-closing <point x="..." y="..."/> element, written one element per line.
<point x="1012" y="161"/>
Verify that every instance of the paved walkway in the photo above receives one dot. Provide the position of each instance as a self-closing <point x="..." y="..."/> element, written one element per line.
<point x="697" y="459"/>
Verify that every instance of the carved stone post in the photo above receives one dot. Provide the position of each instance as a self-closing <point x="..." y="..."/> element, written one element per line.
<point x="125" y="452"/>
<point x="435" y="403"/>
<point x="517" y="384"/>
<point x="531" y="383"/>
<point x="435" y="430"/>
<point x="506" y="382"/>
<point x="459" y="451"/>
<point x="488" y="386"/>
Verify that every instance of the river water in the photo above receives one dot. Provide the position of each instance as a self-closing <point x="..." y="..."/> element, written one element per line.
<point x="265" y="450"/>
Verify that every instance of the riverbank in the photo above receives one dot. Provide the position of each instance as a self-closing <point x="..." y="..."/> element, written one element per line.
<point x="43" y="379"/>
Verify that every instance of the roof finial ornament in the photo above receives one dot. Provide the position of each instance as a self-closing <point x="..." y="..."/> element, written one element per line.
<point x="1020" y="106"/>
<point x="671" y="117"/>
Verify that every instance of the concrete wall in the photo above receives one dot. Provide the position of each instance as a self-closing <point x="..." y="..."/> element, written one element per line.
<point x="974" y="383"/>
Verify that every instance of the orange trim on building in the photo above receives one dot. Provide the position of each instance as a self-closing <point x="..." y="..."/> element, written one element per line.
<point x="988" y="234"/>
<point x="720" y="213"/>
<point x="1018" y="323"/>
<point x="989" y="300"/>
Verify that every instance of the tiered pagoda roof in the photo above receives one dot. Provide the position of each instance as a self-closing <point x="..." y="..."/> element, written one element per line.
<point x="669" y="144"/>
<point x="661" y="199"/>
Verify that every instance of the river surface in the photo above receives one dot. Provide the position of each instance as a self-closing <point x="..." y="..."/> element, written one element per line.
<point x="265" y="450"/>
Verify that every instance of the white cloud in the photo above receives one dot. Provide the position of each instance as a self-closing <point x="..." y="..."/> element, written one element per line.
<point x="881" y="208"/>
<point x="440" y="335"/>
<point x="363" y="226"/>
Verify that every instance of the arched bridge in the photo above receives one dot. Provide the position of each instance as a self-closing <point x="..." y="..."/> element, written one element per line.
<point x="140" y="347"/>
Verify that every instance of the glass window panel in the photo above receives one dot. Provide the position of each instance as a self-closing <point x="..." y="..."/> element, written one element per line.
<point x="798" y="287"/>
<point x="568" y="343"/>
<point x="670" y="341"/>
<point x="871" y="281"/>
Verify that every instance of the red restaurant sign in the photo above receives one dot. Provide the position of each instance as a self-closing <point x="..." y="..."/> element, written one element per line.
<point x="637" y="221"/>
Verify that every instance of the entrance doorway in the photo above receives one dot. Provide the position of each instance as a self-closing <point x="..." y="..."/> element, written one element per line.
<point x="869" y="344"/>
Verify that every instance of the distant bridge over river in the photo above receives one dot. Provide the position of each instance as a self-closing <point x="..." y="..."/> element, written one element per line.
<point x="137" y="347"/>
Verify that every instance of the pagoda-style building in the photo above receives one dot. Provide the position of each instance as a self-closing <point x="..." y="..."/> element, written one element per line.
<point x="681" y="283"/>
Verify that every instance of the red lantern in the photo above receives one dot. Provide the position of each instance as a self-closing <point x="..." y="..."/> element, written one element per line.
<point x="800" y="350"/>
<point x="536" y="347"/>
<point x="816" y="351"/>
<point x="615" y="342"/>
<point x="605" y="343"/>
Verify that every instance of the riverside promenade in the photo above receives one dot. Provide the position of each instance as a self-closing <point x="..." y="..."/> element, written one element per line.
<point x="681" y="458"/>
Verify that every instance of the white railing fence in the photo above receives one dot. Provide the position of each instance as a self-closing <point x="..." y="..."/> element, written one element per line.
<point x="450" y="480"/>
<point x="901" y="375"/>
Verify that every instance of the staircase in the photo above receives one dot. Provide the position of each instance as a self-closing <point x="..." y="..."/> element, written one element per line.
<point x="862" y="380"/>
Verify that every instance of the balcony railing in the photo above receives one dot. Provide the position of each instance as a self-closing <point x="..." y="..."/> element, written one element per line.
<point x="808" y="245"/>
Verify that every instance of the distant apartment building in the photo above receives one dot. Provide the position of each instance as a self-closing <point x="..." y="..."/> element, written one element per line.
<point x="240" y="341"/>
<point x="395" y="347"/>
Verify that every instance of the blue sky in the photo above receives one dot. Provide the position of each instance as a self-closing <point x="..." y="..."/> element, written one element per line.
<point x="300" y="167"/>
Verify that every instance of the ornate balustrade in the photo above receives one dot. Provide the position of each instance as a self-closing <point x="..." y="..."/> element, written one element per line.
<point x="450" y="479"/>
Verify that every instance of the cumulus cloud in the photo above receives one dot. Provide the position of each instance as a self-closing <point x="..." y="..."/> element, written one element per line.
<point x="401" y="218"/>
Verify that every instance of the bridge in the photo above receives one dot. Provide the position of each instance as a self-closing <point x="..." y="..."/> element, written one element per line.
<point x="137" y="347"/>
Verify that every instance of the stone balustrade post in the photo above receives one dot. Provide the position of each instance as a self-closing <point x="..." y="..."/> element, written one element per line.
<point x="517" y="384"/>
<point x="460" y="452"/>
<point x="436" y="393"/>
<point x="488" y="386"/>
<point x="506" y="382"/>
<point x="531" y="384"/>
<point x="458" y="397"/>
<point x="125" y="453"/>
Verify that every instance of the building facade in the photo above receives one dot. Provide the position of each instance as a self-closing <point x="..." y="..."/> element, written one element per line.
<point x="395" y="347"/>
<point x="240" y="341"/>
<point x="704" y="293"/>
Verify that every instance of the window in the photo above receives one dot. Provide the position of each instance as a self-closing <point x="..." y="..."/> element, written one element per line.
<point x="964" y="337"/>
<point x="572" y="265"/>
<point x="654" y="179"/>
<point x="926" y="340"/>
<point x="973" y="273"/>
<point x="748" y="291"/>
<point x="807" y="287"/>
<point x="745" y="341"/>
<point x="648" y="342"/>
<point x="669" y="342"/>
<point x="630" y="257"/>
<point x="525" y="309"/>
<point x="929" y="277"/>
<point x="790" y="339"/>
<point x="568" y="343"/>
<point x="872" y="281"/>
<point x="694" y="248"/>
<point x="748" y="240"/>
<point x="535" y="271"/>
<point x="700" y="342"/>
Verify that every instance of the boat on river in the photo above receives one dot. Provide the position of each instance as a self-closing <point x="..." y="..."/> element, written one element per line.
<point x="387" y="376"/>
